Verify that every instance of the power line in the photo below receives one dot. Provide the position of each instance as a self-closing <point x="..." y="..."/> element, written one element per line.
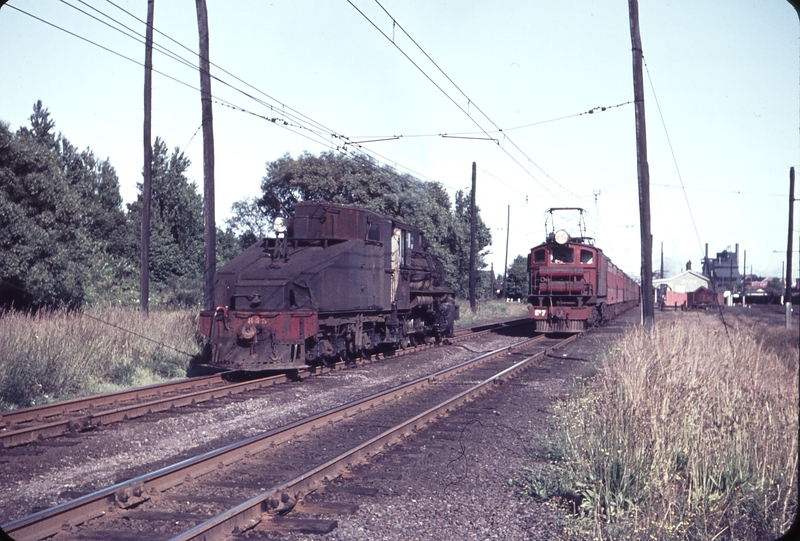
<point x="135" y="37"/>
<point x="104" y="322"/>
<point x="318" y="125"/>
<point x="447" y="134"/>
<point x="674" y="159"/>
<point x="737" y="192"/>
<point x="322" y="133"/>
<point x="282" y="106"/>
<point x="469" y="101"/>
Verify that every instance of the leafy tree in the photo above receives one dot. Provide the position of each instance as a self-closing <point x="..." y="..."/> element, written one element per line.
<point x="342" y="179"/>
<point x="517" y="281"/>
<point x="176" y="226"/>
<point x="249" y="222"/>
<point x="59" y="213"/>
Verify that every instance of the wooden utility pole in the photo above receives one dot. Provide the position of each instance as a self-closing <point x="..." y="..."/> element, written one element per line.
<point x="648" y="310"/>
<point x="210" y="227"/>
<point x="472" y="229"/>
<point x="505" y="267"/>
<point x="787" y="298"/>
<point x="661" y="274"/>
<point x="147" y="183"/>
<point x="744" y="295"/>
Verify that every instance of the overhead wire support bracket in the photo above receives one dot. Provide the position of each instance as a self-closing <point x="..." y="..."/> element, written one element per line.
<point x="392" y="138"/>
<point x="445" y="136"/>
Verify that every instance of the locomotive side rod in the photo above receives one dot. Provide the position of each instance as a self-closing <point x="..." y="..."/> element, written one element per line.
<point x="115" y="499"/>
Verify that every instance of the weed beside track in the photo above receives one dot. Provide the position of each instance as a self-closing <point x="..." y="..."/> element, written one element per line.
<point x="688" y="432"/>
<point x="57" y="355"/>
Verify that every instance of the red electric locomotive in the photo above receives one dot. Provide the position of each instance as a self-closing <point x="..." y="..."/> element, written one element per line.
<point x="572" y="284"/>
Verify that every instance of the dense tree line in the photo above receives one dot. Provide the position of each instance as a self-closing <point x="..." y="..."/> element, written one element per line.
<point x="66" y="239"/>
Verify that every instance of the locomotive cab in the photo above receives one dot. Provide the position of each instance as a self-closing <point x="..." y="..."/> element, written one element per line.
<point x="572" y="284"/>
<point x="563" y="291"/>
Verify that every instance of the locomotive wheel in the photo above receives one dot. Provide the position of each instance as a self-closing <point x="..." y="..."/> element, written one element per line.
<point x="403" y="343"/>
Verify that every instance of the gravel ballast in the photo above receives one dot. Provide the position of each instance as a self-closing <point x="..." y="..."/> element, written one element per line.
<point x="46" y="473"/>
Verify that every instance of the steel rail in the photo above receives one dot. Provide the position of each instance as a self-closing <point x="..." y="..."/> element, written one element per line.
<point x="248" y="514"/>
<point x="489" y="327"/>
<point x="25" y="435"/>
<point x="65" y="407"/>
<point x="134" y="491"/>
<point x="156" y="397"/>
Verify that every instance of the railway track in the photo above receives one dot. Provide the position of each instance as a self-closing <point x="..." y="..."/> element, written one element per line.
<point x="254" y="482"/>
<point x="18" y="427"/>
<point x="22" y="426"/>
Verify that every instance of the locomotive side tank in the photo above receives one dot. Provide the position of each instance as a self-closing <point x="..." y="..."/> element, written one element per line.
<point x="572" y="284"/>
<point x="335" y="283"/>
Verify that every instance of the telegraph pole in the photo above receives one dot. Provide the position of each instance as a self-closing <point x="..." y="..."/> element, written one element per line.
<point x="744" y="291"/>
<point x="787" y="298"/>
<point x="648" y="310"/>
<point x="147" y="183"/>
<point x="472" y="229"/>
<point x="505" y="267"/>
<point x="210" y="228"/>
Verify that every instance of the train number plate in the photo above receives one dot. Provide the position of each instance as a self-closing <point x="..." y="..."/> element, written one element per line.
<point x="539" y="312"/>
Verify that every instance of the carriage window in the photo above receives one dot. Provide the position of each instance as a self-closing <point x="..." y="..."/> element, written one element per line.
<point x="409" y="240"/>
<point x="538" y="256"/>
<point x="562" y="254"/>
<point x="587" y="257"/>
<point x="374" y="232"/>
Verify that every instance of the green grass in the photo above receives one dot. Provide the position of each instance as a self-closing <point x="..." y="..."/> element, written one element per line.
<point x="489" y="310"/>
<point x="687" y="432"/>
<point x="51" y="356"/>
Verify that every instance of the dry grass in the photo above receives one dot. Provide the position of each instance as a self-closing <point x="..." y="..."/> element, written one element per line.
<point x="490" y="310"/>
<point x="57" y="355"/>
<point x="687" y="432"/>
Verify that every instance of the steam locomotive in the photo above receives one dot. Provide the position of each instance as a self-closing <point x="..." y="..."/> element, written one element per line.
<point x="573" y="284"/>
<point x="336" y="282"/>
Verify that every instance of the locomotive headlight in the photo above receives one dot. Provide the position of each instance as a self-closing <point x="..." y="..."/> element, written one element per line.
<point x="279" y="226"/>
<point x="562" y="237"/>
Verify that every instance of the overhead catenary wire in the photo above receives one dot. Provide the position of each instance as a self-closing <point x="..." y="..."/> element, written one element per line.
<point x="674" y="158"/>
<point x="469" y="101"/>
<point x="297" y="116"/>
<point x="457" y="134"/>
<point x="323" y="133"/>
<point x="460" y="107"/>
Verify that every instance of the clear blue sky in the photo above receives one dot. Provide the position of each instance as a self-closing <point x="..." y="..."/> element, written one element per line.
<point x="726" y="75"/>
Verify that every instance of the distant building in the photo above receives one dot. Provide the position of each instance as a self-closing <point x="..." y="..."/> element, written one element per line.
<point x="684" y="290"/>
<point x="724" y="270"/>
